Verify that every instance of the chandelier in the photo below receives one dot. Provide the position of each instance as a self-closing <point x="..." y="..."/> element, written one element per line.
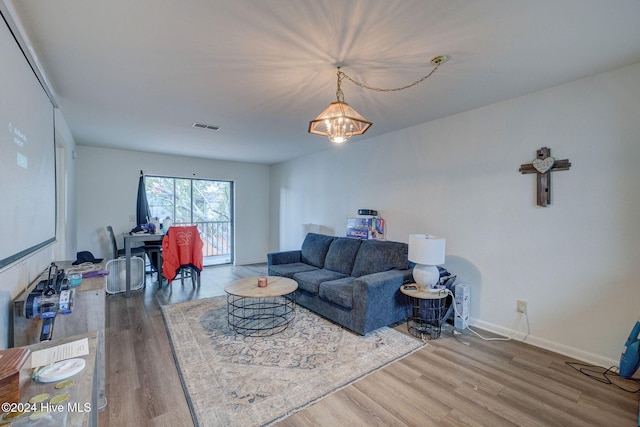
<point x="340" y="121"/>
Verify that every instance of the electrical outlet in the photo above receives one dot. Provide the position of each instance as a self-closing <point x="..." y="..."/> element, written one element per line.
<point x="521" y="306"/>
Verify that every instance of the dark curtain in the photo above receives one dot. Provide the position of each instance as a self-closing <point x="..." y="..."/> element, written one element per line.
<point x="142" y="207"/>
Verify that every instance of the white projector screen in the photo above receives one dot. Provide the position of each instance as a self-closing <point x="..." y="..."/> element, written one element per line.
<point x="27" y="156"/>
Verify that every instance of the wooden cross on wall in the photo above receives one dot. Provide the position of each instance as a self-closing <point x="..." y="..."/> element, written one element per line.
<point x="543" y="165"/>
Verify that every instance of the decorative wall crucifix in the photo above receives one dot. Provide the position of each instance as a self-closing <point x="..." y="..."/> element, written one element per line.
<point x="543" y="165"/>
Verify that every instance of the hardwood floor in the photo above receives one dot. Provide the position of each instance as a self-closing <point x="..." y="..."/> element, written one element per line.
<point x="452" y="381"/>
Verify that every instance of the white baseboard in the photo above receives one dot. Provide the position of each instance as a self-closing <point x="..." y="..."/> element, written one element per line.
<point x="584" y="356"/>
<point x="249" y="262"/>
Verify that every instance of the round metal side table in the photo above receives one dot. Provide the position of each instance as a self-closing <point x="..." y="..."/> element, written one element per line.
<point x="426" y="310"/>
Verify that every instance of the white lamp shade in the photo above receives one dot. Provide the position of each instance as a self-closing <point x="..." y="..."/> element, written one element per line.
<point x="426" y="249"/>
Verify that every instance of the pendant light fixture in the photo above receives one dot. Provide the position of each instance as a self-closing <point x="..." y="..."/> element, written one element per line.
<point x="340" y="121"/>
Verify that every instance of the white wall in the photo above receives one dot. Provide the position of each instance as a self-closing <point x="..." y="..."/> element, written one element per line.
<point x="65" y="189"/>
<point x="107" y="184"/>
<point x="16" y="277"/>
<point x="574" y="262"/>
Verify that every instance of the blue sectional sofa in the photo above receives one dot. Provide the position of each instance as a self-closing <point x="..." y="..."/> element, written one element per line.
<point x="356" y="283"/>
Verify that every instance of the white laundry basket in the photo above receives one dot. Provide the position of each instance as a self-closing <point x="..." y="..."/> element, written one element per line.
<point x="117" y="279"/>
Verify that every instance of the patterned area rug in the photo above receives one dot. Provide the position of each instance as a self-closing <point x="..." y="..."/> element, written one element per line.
<point x="233" y="380"/>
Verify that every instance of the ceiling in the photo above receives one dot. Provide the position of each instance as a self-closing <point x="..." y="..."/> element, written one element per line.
<point x="137" y="74"/>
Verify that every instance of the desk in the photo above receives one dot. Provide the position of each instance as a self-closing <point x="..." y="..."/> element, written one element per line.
<point x="128" y="239"/>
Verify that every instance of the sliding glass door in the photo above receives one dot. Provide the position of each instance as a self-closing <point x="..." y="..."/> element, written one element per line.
<point x="205" y="203"/>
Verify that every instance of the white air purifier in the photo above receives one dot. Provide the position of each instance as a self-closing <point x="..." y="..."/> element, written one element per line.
<point x="117" y="277"/>
<point x="462" y="294"/>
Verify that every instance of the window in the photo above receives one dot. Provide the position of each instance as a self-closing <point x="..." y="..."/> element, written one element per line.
<point x="207" y="204"/>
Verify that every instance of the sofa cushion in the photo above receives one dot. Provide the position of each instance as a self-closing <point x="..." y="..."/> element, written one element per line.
<point x="339" y="291"/>
<point x="310" y="280"/>
<point x="314" y="249"/>
<point x="375" y="256"/>
<point x="341" y="255"/>
<point x="288" y="270"/>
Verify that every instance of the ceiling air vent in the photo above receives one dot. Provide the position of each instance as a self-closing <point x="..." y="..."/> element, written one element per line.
<point x="204" y="126"/>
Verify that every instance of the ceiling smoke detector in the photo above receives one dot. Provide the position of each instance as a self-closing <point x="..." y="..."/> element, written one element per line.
<point x="205" y="126"/>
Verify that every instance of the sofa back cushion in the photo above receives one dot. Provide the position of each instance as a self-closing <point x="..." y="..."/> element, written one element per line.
<point x="375" y="256"/>
<point x="341" y="255"/>
<point x="314" y="249"/>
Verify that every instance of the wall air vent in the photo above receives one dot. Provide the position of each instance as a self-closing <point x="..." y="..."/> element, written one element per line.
<point x="205" y="126"/>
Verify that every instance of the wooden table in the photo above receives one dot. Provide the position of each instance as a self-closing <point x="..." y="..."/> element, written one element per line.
<point x="261" y="311"/>
<point x="81" y="408"/>
<point x="128" y="239"/>
<point x="88" y="315"/>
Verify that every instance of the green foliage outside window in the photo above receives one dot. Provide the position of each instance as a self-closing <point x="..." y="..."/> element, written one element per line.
<point x="189" y="201"/>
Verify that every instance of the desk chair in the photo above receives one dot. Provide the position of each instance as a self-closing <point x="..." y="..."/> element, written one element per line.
<point x="182" y="252"/>
<point x="117" y="253"/>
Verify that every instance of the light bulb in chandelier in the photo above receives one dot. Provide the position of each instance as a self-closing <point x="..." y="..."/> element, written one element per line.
<point x="337" y="129"/>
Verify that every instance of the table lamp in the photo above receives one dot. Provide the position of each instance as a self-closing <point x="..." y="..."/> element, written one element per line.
<point x="427" y="252"/>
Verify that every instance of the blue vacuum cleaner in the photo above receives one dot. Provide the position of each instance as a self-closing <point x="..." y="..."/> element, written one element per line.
<point x="630" y="358"/>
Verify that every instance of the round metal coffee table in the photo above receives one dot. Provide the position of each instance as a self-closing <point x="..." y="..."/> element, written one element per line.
<point x="261" y="311"/>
